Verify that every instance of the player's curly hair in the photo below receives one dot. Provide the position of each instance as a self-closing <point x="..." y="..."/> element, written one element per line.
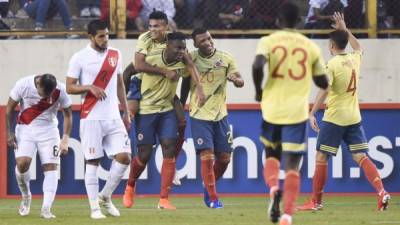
<point x="289" y="14"/>
<point x="96" y="25"/>
<point x="197" y="31"/>
<point x="176" y="36"/>
<point x="158" y="15"/>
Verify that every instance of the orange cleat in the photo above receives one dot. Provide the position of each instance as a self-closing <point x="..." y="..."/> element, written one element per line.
<point x="383" y="201"/>
<point x="165" y="204"/>
<point x="129" y="194"/>
<point x="310" y="205"/>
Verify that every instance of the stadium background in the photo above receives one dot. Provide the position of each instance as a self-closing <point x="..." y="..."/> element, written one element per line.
<point x="378" y="93"/>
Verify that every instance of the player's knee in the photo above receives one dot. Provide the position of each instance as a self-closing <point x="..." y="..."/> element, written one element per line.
<point x="49" y="166"/>
<point x="293" y="161"/>
<point x="123" y="158"/>
<point x="224" y="158"/>
<point x="181" y="124"/>
<point x="358" y="156"/>
<point x="23" y="164"/>
<point x="144" y="156"/>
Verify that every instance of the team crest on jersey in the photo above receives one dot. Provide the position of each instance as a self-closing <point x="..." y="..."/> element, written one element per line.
<point x="112" y="61"/>
<point x="218" y="64"/>
<point x="200" y="141"/>
<point x="140" y="136"/>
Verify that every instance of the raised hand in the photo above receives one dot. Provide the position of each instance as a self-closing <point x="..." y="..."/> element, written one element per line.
<point x="340" y="24"/>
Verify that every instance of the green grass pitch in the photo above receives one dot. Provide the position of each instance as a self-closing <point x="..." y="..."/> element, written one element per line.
<point x="343" y="210"/>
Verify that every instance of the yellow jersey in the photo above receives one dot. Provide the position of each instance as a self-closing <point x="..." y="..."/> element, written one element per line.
<point x="213" y="77"/>
<point x="292" y="61"/>
<point x="146" y="44"/>
<point x="342" y="102"/>
<point x="158" y="91"/>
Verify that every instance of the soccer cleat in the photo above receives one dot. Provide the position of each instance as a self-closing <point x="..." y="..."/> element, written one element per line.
<point x="274" y="211"/>
<point x="165" y="204"/>
<point x="108" y="205"/>
<point x="383" y="201"/>
<point x="285" y="220"/>
<point x="25" y="206"/>
<point x="216" y="204"/>
<point x="206" y="198"/>
<point x="129" y="194"/>
<point x="310" y="205"/>
<point x="46" y="214"/>
<point x="97" y="214"/>
<point x="176" y="181"/>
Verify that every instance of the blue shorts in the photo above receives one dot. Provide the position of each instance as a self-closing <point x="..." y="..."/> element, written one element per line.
<point x="156" y="125"/>
<point x="215" y="135"/>
<point x="134" y="89"/>
<point x="331" y="135"/>
<point x="291" y="137"/>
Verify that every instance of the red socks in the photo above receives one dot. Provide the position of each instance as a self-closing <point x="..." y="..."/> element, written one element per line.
<point x="207" y="173"/>
<point x="291" y="191"/>
<point x="137" y="168"/>
<point x="167" y="175"/>
<point x="372" y="174"/>
<point x="271" y="172"/>
<point x="319" y="181"/>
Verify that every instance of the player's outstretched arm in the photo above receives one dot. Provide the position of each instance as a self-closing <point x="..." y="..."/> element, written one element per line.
<point x="340" y="24"/>
<point x="11" y="140"/>
<point x="258" y="74"/>
<point x="67" y="115"/>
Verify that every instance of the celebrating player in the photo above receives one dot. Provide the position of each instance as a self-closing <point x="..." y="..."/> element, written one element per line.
<point x="342" y="118"/>
<point x="294" y="61"/>
<point x="39" y="97"/>
<point x="210" y="127"/>
<point x="98" y="69"/>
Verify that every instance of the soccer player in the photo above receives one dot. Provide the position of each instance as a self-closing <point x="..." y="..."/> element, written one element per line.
<point x="210" y="127"/>
<point x="39" y="97"/>
<point x="293" y="62"/>
<point x="342" y="118"/>
<point x="98" y="69"/>
<point x="157" y="117"/>
<point x="151" y="41"/>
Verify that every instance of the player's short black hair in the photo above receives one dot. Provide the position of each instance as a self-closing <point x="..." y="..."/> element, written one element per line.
<point x="48" y="82"/>
<point x="158" y="15"/>
<point x="176" y="36"/>
<point x="289" y="14"/>
<point x="96" y="25"/>
<point x="197" y="31"/>
<point x="340" y="38"/>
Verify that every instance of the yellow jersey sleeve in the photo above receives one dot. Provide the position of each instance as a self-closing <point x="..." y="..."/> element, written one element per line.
<point x="144" y="42"/>
<point x="319" y="64"/>
<point x="262" y="47"/>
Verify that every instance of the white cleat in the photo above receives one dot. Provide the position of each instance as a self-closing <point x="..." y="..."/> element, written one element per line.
<point x="46" y="214"/>
<point x="176" y="181"/>
<point x="25" y="206"/>
<point x="109" y="206"/>
<point x="97" y="214"/>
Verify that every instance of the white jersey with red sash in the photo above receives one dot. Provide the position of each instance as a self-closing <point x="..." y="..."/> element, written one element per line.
<point x="35" y="110"/>
<point x="101" y="69"/>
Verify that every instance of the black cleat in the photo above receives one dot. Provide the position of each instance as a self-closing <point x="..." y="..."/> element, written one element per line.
<point x="273" y="208"/>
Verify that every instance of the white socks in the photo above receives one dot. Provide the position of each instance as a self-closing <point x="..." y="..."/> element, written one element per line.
<point x="92" y="186"/>
<point x="117" y="170"/>
<point x="50" y="184"/>
<point x="23" y="182"/>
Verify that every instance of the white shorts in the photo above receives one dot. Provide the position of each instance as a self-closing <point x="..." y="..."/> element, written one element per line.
<point x="109" y="135"/>
<point x="42" y="139"/>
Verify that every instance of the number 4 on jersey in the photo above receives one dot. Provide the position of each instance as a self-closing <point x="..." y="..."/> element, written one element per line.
<point x="353" y="83"/>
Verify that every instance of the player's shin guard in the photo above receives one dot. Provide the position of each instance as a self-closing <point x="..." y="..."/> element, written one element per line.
<point x="291" y="191"/>
<point x="319" y="181"/>
<point x="181" y="138"/>
<point x="167" y="175"/>
<point x="207" y="173"/>
<point x="137" y="168"/>
<point x="117" y="170"/>
<point x="92" y="186"/>
<point x="271" y="172"/>
<point x="50" y="184"/>
<point x="372" y="174"/>
<point x="220" y="166"/>
<point x="23" y="180"/>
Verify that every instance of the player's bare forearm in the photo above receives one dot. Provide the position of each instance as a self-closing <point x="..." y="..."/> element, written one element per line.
<point x="74" y="88"/>
<point x="319" y="100"/>
<point x="142" y="66"/>
<point x="67" y="114"/>
<point x="185" y="88"/>
<point x="258" y="74"/>
<point x="354" y="43"/>
<point x="11" y="104"/>
<point x="122" y="95"/>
